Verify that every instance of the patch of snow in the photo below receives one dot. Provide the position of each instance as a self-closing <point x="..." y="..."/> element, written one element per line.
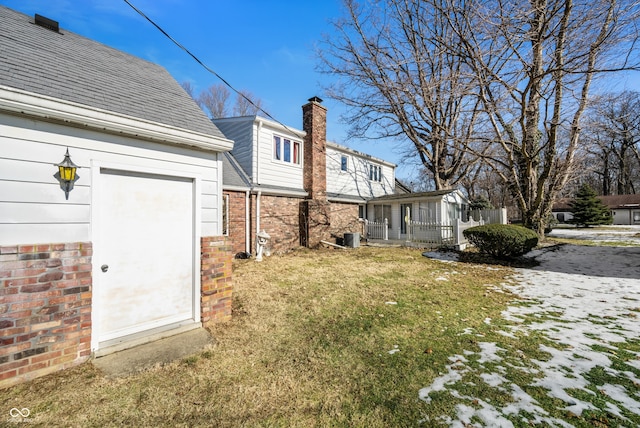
<point x="442" y="256"/>
<point x="580" y="298"/>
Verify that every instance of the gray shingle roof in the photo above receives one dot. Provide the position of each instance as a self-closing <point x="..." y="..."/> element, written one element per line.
<point x="232" y="173"/>
<point x="73" y="68"/>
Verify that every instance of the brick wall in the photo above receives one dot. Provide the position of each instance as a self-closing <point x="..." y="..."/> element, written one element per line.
<point x="216" y="279"/>
<point x="237" y="213"/>
<point x="344" y="219"/>
<point x="279" y="217"/>
<point x="45" y="309"/>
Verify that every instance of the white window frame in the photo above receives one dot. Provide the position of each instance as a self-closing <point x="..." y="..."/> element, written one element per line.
<point x="294" y="153"/>
<point x="225" y="214"/>
<point x="375" y="173"/>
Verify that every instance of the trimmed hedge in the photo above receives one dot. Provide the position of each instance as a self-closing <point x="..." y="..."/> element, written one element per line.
<point x="502" y="241"/>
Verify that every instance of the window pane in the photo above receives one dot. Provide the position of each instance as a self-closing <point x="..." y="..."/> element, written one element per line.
<point x="287" y="151"/>
<point x="296" y="152"/>
<point x="276" y="148"/>
<point x="343" y="163"/>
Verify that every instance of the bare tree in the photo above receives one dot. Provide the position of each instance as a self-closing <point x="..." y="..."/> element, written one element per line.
<point x="188" y="88"/>
<point x="215" y="100"/>
<point x="398" y="82"/>
<point x="449" y="74"/>
<point x="246" y="104"/>
<point x="613" y="129"/>
<point x="535" y="62"/>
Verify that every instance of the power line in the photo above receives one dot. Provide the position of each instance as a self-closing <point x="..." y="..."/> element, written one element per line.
<point x="206" y="67"/>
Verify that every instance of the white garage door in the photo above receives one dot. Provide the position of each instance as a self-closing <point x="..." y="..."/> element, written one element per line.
<point x="146" y="255"/>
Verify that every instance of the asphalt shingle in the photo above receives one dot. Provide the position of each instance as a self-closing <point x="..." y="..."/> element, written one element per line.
<point x="73" y="68"/>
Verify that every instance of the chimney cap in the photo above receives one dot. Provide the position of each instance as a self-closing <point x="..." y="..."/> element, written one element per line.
<point x="315" y="99"/>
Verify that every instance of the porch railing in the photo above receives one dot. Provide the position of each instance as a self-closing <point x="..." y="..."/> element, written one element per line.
<point x="376" y="230"/>
<point x="430" y="234"/>
<point x="424" y="234"/>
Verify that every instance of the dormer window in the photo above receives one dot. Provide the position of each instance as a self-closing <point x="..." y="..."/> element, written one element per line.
<point x="286" y="150"/>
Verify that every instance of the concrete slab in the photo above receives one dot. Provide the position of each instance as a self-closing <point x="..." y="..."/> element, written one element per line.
<point x="141" y="357"/>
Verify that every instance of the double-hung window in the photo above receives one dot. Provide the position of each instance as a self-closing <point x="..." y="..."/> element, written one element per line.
<point x="286" y="150"/>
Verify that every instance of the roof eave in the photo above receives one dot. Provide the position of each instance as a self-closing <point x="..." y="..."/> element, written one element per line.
<point x="20" y="102"/>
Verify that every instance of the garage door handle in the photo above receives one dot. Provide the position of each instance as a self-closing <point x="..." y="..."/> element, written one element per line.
<point x="104" y="268"/>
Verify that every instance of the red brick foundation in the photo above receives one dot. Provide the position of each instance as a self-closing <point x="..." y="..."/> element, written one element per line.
<point x="344" y="219"/>
<point x="45" y="309"/>
<point x="216" y="279"/>
<point x="237" y="220"/>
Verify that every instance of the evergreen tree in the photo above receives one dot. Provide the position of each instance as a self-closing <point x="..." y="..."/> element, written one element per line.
<point x="480" y="203"/>
<point x="588" y="210"/>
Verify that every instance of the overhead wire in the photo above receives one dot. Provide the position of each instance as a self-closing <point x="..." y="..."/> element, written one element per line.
<point x="210" y="70"/>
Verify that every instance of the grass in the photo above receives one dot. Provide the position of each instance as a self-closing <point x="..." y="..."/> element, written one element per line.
<point x="323" y="338"/>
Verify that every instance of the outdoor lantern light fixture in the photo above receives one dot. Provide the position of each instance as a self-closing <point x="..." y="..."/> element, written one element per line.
<point x="66" y="174"/>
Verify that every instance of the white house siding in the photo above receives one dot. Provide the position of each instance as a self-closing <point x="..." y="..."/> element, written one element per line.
<point x="355" y="181"/>
<point x="33" y="208"/>
<point x="274" y="172"/>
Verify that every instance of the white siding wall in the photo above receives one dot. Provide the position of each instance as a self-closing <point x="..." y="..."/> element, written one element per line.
<point x="355" y="181"/>
<point x="33" y="208"/>
<point x="273" y="172"/>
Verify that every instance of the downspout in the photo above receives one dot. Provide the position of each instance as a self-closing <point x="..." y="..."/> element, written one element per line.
<point x="247" y="222"/>
<point x="258" y="216"/>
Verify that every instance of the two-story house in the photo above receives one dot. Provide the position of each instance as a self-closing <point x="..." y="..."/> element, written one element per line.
<point x="294" y="184"/>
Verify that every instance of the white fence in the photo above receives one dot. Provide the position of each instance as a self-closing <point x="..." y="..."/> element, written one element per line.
<point x="376" y="230"/>
<point x="424" y="234"/>
<point x="493" y="216"/>
<point x="440" y="235"/>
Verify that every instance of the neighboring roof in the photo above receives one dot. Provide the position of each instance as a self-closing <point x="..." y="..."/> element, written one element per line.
<point x="69" y="67"/>
<point x="611" y="201"/>
<point x="416" y="196"/>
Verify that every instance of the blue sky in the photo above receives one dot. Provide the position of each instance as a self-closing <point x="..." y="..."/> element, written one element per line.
<point x="265" y="47"/>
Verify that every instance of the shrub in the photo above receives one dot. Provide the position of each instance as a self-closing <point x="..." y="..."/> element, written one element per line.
<point x="502" y="241"/>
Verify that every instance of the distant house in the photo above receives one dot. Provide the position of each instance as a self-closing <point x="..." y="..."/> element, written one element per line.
<point x="625" y="209"/>
<point x="136" y="252"/>
<point x="294" y="184"/>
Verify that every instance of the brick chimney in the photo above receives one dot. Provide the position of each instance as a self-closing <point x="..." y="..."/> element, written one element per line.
<point x="315" y="211"/>
<point x="314" y="123"/>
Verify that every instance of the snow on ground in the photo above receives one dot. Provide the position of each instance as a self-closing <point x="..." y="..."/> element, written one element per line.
<point x="585" y="299"/>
